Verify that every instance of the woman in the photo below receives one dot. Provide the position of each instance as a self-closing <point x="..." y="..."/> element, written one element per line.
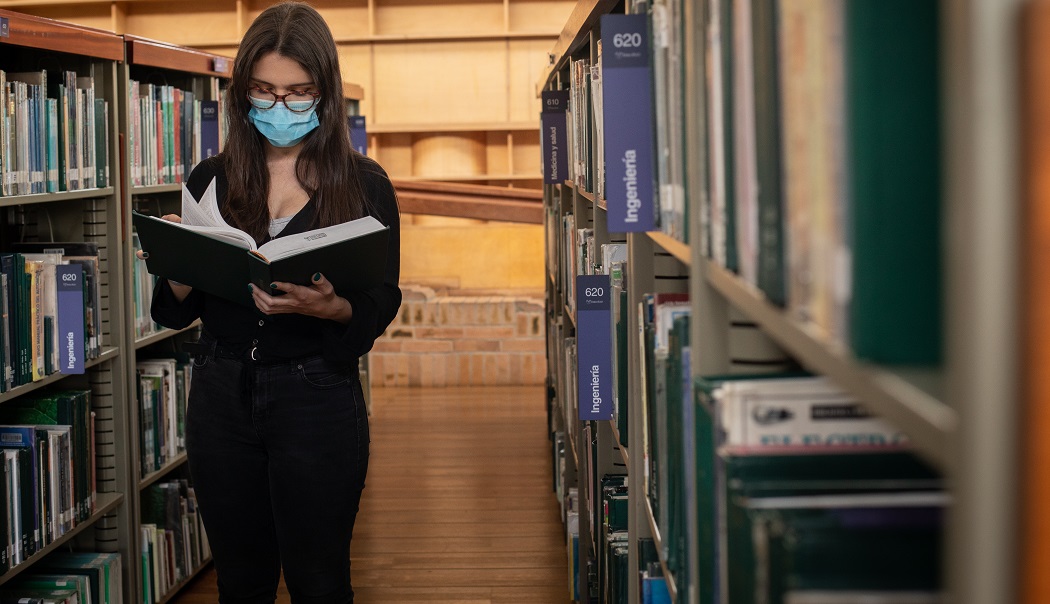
<point x="277" y="432"/>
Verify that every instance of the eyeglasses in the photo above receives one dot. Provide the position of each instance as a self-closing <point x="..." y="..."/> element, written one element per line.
<point x="298" y="101"/>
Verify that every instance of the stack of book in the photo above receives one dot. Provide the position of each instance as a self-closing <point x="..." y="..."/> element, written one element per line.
<point x="174" y="544"/>
<point x="171" y="130"/>
<point x="48" y="485"/>
<point x="54" y="133"/>
<point x="163" y="391"/>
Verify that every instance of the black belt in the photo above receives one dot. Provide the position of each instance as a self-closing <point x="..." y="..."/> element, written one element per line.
<point x="252" y="354"/>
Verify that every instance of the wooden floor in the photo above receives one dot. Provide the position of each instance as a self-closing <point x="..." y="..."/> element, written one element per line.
<point x="458" y="504"/>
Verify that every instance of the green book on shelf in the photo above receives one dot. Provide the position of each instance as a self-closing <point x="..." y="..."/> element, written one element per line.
<point x="894" y="174"/>
<point x="770" y="273"/>
<point x="62" y="582"/>
<point x="104" y="570"/>
<point x="874" y="541"/>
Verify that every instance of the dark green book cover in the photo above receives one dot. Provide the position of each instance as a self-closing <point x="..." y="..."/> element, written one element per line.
<point x="767" y="151"/>
<point x="225" y="269"/>
<point x="893" y="117"/>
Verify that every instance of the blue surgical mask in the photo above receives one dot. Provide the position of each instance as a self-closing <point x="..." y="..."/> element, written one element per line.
<point x="282" y="126"/>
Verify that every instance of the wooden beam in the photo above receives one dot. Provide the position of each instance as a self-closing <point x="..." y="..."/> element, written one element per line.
<point x="467" y="189"/>
<point x="467" y="206"/>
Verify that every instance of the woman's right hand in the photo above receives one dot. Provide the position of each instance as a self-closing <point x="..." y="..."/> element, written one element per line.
<point x="170" y="218"/>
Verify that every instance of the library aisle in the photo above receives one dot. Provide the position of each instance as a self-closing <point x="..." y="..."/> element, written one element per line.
<point x="458" y="504"/>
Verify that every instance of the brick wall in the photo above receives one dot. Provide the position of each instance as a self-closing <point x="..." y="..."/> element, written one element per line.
<point x="452" y="340"/>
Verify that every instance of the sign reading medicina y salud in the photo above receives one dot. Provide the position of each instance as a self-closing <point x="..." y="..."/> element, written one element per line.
<point x="594" y="347"/>
<point x="553" y="141"/>
<point x="627" y="106"/>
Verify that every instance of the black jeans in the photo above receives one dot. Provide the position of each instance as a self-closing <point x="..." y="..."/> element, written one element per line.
<point x="277" y="454"/>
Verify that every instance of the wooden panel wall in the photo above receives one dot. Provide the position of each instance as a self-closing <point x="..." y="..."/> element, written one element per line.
<point x="449" y="84"/>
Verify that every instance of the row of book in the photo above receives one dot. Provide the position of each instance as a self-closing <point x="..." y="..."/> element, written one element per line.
<point x="817" y="152"/>
<point x="831" y="150"/>
<point x="171" y="130"/>
<point x="586" y="120"/>
<point x="54" y="133"/>
<point x="163" y="391"/>
<point x="48" y="475"/>
<point x="50" y="310"/>
<point x="174" y="543"/>
<point x="786" y="485"/>
<point x="69" y="578"/>
<point x="142" y="285"/>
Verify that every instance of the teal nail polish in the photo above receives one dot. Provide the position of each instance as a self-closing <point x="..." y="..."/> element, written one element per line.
<point x="317" y="276"/>
<point x="145" y="255"/>
<point x="273" y="286"/>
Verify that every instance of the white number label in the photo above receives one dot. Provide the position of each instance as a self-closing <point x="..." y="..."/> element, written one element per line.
<point x="627" y="40"/>
<point x="593" y="292"/>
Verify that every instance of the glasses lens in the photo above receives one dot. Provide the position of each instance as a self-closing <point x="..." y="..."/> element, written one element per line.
<point x="263" y="99"/>
<point x="300" y="102"/>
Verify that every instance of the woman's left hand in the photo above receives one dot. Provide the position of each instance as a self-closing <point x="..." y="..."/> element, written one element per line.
<point x="315" y="300"/>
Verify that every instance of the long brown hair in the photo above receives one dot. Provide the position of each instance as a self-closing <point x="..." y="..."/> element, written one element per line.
<point x="327" y="166"/>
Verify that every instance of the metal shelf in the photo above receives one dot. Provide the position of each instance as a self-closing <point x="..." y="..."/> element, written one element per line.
<point x="153" y="477"/>
<point x="676" y="248"/>
<point x="584" y="17"/>
<point x="17" y="391"/>
<point x="163" y="334"/>
<point x="910" y="398"/>
<point x="152" y="189"/>
<point x="104" y="504"/>
<point x="671" y="587"/>
<point x="174" y="591"/>
<point x="622" y="449"/>
<point x="19" y="200"/>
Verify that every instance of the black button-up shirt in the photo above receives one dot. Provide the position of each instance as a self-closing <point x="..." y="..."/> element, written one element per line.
<point x="238" y="327"/>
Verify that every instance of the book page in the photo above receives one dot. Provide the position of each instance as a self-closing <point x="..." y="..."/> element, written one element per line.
<point x="290" y="245"/>
<point x="204" y="217"/>
<point x="203" y="213"/>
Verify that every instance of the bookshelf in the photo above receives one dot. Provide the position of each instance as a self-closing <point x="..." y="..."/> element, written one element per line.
<point x="149" y="65"/>
<point x="960" y="414"/>
<point x="93" y="215"/>
<point x="411" y="57"/>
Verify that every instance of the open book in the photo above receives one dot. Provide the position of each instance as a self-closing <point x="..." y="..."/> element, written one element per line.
<point x="208" y="254"/>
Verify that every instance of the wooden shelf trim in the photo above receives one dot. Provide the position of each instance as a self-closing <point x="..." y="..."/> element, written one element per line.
<point x="151" y="189"/>
<point x="479" y="127"/>
<point x="584" y="16"/>
<point x="154" y="53"/>
<point x="104" y="504"/>
<point x="48" y="34"/>
<point x="909" y="399"/>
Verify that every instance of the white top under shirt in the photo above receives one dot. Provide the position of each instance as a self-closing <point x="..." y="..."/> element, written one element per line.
<point x="277" y="225"/>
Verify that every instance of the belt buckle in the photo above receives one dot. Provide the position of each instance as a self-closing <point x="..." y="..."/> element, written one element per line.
<point x="252" y="353"/>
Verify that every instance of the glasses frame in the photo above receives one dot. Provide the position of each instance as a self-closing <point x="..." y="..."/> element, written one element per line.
<point x="280" y="98"/>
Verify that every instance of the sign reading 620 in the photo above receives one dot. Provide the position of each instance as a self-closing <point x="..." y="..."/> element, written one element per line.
<point x="627" y="40"/>
<point x="593" y="292"/>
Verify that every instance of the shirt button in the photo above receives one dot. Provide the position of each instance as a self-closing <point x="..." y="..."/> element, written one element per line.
<point x="261" y="322"/>
<point x="254" y="342"/>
